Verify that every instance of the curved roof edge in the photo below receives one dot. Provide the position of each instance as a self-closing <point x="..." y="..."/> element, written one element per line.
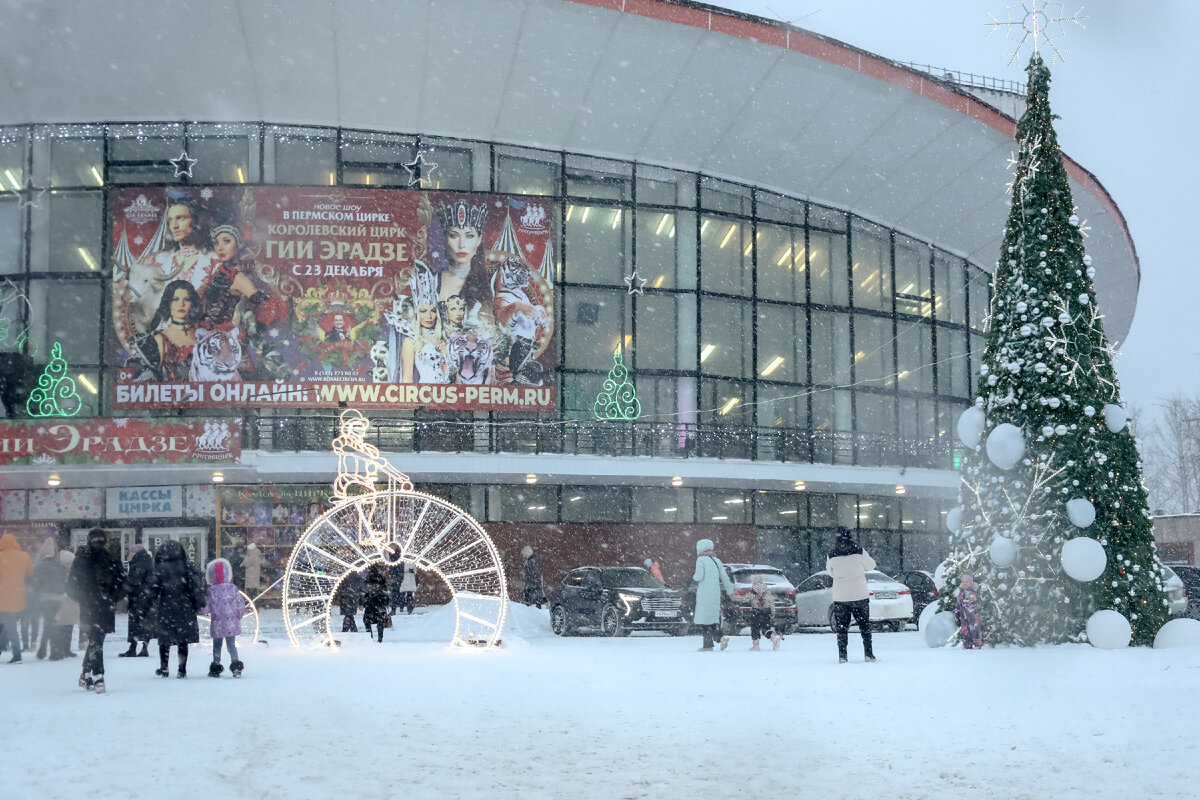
<point x="752" y="28"/>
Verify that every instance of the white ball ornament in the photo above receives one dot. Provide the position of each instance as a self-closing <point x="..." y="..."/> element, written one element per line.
<point x="1087" y="260"/>
<point x="1054" y="402"/>
<point x="1026" y="330"/>
<point x="1040" y="367"/>
<point x="1181" y="632"/>
<point x="1089" y="411"/>
<point x="1091" y="272"/>
<point x="1047" y="322"/>
<point x="1006" y="445"/>
<point x="1061" y="430"/>
<point x="1048" y="431"/>
<point x="1115" y="418"/>
<point x="1083" y="558"/>
<point x="1109" y="630"/>
<point x="1081" y="512"/>
<point x="1083" y="298"/>
<point x="970" y="426"/>
<point x="1003" y="551"/>
<point x="954" y="519"/>
<point x="1064" y="318"/>
<point x="1073" y="220"/>
<point x="939" y="628"/>
<point x="1022" y="307"/>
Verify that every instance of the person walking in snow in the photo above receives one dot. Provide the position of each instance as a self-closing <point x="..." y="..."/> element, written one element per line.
<point x="176" y="595"/>
<point x="711" y="580"/>
<point x="762" y="602"/>
<point x="16" y="567"/>
<point x="348" y="598"/>
<point x="376" y="601"/>
<point x="405" y="594"/>
<point x="97" y="582"/>
<point x="655" y="570"/>
<point x="534" y="594"/>
<point x="141" y="627"/>
<point x="67" y="616"/>
<point x="252" y="565"/>
<point x="848" y="565"/>
<point x="966" y="613"/>
<point x="45" y="590"/>
<point x="225" y="607"/>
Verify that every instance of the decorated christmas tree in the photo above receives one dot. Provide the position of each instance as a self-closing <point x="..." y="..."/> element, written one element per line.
<point x="1053" y="521"/>
<point x="55" y="395"/>
<point x="617" y="399"/>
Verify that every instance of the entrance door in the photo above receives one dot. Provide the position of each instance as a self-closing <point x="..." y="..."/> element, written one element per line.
<point x="194" y="541"/>
<point x="117" y="538"/>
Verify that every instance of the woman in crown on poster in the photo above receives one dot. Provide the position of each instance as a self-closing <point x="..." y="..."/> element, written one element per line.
<point x="416" y="333"/>
<point x="466" y="272"/>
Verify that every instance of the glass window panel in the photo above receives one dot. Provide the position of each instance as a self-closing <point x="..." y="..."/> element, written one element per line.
<point x="305" y="160"/>
<point x="718" y="195"/>
<point x="579" y="393"/>
<point x="77" y="162"/>
<point x="726" y="403"/>
<point x="72" y="241"/>
<point x="144" y="142"/>
<point x="830" y="347"/>
<point x="827" y="268"/>
<point x="953" y="365"/>
<point x="663" y="505"/>
<point x="664" y="186"/>
<point x="977" y="346"/>
<point x="596" y="244"/>
<point x="725" y="264"/>
<point x="916" y="356"/>
<point x="878" y="512"/>
<point x="822" y="510"/>
<point x="67" y="312"/>
<point x="223" y="159"/>
<point x="917" y="419"/>
<point x="522" y="503"/>
<point x="924" y="550"/>
<point x="595" y="504"/>
<point x="914" y="291"/>
<point x="782" y="343"/>
<point x="726" y="506"/>
<point x="523" y="171"/>
<point x="917" y="514"/>
<point x="595" y="325"/>
<point x="875" y="413"/>
<point x="782" y="407"/>
<point x="598" y="178"/>
<point x="378" y="160"/>
<point x="847" y="511"/>
<point x="12" y="162"/>
<point x="666" y="331"/>
<point x="10" y="235"/>
<point x="658" y="253"/>
<point x="980" y="282"/>
<point x="827" y="219"/>
<point x="873" y="351"/>
<point x="780" y="508"/>
<point x="660" y="398"/>
<point x="872" y="267"/>
<point x="779" y="209"/>
<point x="725" y="337"/>
<point x="14" y="315"/>
<point x="781" y="263"/>
<point x="950" y="292"/>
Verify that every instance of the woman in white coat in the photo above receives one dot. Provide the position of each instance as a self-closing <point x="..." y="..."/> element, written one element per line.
<point x="848" y="565"/>
<point x="711" y="579"/>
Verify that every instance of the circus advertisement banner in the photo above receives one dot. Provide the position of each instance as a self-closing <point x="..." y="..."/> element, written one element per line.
<point x="120" y="441"/>
<point x="320" y="297"/>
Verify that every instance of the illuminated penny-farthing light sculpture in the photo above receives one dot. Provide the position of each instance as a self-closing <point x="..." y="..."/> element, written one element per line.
<point x="377" y="517"/>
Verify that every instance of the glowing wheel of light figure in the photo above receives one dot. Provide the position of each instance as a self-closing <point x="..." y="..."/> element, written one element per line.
<point x="249" y="616"/>
<point x="367" y="525"/>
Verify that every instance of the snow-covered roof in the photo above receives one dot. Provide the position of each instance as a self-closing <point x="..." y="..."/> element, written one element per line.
<point x="668" y="83"/>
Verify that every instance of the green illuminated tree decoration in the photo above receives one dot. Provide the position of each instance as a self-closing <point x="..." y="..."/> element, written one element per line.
<point x="618" y="399"/>
<point x="55" y="395"/>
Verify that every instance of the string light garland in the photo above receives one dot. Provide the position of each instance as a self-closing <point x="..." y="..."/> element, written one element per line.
<point x="367" y="524"/>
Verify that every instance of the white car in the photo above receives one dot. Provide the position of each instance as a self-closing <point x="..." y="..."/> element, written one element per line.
<point x="1173" y="586"/>
<point x="891" y="602"/>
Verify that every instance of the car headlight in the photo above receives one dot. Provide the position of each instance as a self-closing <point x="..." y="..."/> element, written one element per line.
<point x="630" y="600"/>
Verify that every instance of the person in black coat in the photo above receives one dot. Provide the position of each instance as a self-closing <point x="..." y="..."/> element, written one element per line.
<point x="141" y="624"/>
<point x="177" y="593"/>
<point x="348" y="598"/>
<point x="377" y="601"/>
<point x="534" y="596"/>
<point x="97" y="583"/>
<point x="47" y="588"/>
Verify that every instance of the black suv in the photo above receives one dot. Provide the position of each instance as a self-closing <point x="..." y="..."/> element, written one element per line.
<point x="924" y="590"/>
<point x="614" y="601"/>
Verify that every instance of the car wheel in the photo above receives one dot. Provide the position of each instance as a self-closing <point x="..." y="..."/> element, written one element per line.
<point x="832" y="624"/>
<point x="899" y="625"/>
<point x="558" y="621"/>
<point x="611" y="623"/>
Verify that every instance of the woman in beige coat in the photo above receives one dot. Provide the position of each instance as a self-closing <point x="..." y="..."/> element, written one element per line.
<point x="66" y="619"/>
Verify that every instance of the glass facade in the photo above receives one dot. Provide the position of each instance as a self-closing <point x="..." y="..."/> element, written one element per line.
<point x="769" y="327"/>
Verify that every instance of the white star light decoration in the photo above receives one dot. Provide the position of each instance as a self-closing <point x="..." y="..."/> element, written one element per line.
<point x="1040" y="19"/>
<point x="635" y="283"/>
<point x="31" y="197"/>
<point x="420" y="172"/>
<point x="183" y="165"/>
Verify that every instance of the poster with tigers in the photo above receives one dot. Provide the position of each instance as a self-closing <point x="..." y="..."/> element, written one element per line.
<point x="317" y="297"/>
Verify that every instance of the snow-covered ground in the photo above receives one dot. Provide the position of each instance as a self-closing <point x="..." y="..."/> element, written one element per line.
<point x="641" y="717"/>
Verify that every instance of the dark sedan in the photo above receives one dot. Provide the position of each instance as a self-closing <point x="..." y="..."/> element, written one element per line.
<point x="613" y="601"/>
<point x="924" y="590"/>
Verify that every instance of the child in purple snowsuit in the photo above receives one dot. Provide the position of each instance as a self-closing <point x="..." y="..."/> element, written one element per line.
<point x="966" y="613"/>
<point x="225" y="608"/>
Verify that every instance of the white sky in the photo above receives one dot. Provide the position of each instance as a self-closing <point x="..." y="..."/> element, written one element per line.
<point x="1127" y="99"/>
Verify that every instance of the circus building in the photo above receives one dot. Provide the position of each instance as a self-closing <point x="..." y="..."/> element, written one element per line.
<point x="611" y="276"/>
